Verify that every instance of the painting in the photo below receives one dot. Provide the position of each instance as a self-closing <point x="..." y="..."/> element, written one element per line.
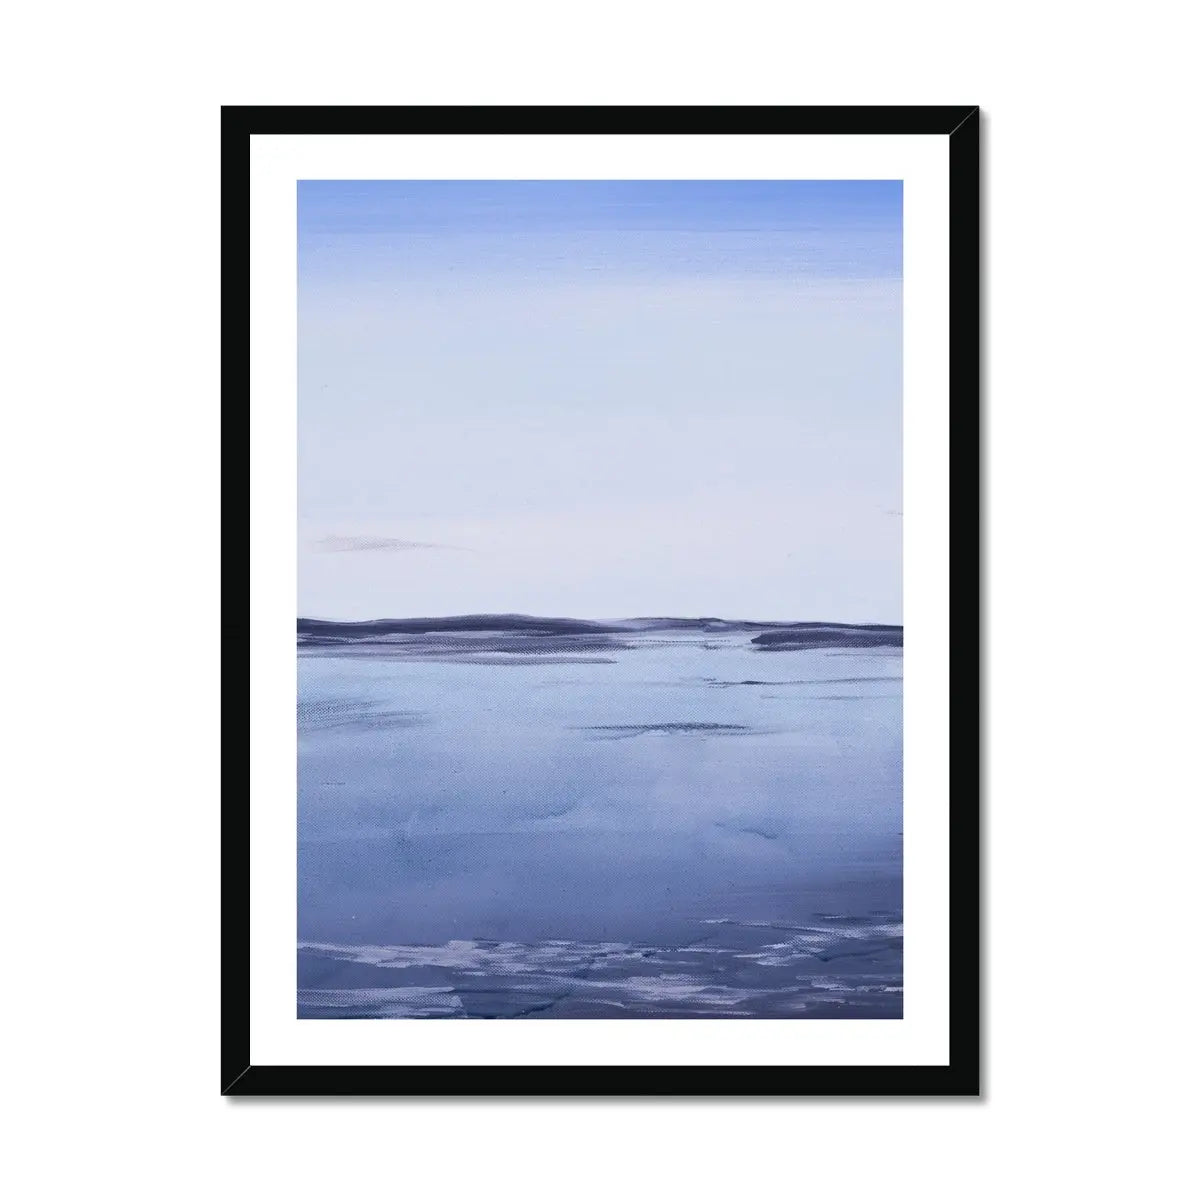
<point x="600" y="641"/>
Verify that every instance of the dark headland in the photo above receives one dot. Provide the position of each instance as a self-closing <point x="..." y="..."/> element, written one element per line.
<point x="522" y="633"/>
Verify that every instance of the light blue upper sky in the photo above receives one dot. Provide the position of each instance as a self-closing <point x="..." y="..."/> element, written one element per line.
<point x="378" y="229"/>
<point x="600" y="398"/>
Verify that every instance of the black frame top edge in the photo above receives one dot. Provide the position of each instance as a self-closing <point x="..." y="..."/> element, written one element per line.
<point x="247" y="120"/>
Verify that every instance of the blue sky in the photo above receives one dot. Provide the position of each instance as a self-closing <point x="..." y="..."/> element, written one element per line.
<point x="821" y="229"/>
<point x="607" y="398"/>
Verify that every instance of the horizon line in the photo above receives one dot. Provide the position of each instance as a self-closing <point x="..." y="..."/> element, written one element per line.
<point x="462" y="616"/>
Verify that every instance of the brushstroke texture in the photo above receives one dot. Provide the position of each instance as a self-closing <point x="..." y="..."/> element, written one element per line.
<point x="661" y="833"/>
<point x="622" y="396"/>
<point x="592" y="397"/>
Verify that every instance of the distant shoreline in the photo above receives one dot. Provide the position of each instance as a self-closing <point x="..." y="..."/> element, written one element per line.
<point x="768" y="635"/>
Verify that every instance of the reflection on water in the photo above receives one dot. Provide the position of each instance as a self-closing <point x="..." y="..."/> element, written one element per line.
<point x="688" y="826"/>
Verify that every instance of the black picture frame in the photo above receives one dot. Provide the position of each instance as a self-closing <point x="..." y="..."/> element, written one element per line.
<point x="961" y="1076"/>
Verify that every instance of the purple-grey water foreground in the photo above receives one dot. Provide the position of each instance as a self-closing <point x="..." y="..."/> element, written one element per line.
<point x="513" y="817"/>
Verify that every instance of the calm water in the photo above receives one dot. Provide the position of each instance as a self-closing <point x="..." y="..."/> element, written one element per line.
<point x="686" y="826"/>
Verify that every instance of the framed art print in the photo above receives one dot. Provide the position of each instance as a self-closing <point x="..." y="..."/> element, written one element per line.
<point x="613" y="654"/>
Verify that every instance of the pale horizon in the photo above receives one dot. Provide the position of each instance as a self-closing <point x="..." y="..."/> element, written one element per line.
<point x="600" y="400"/>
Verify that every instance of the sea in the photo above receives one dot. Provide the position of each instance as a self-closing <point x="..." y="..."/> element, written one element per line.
<point x="508" y="818"/>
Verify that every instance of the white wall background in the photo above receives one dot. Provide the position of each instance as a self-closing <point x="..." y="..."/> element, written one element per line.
<point x="109" y="477"/>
